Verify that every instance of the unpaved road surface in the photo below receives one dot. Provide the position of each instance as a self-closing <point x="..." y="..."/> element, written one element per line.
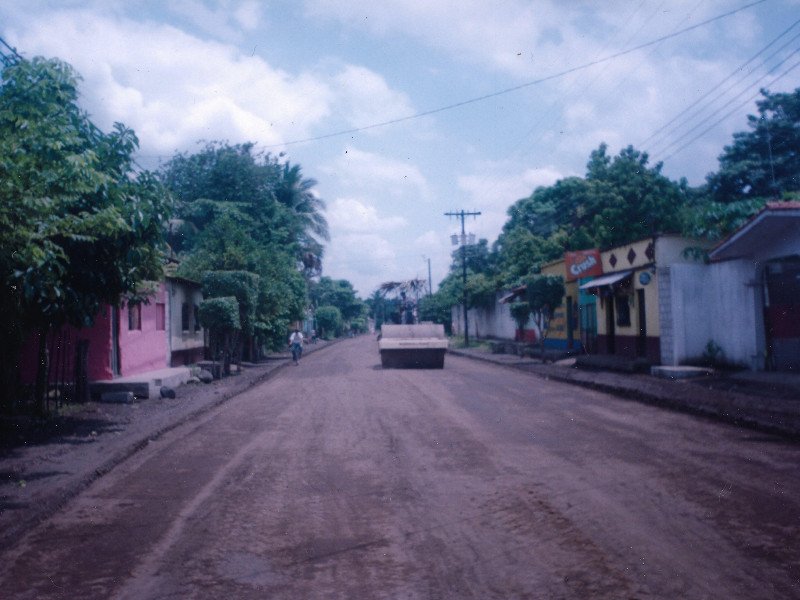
<point x="337" y="479"/>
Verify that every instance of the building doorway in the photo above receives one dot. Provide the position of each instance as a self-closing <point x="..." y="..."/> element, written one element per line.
<point x="782" y="314"/>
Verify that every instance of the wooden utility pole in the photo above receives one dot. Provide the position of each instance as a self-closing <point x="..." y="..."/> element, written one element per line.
<point x="462" y="214"/>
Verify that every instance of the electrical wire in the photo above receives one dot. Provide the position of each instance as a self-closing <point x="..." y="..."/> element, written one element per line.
<point x="521" y="86"/>
<point x="732" y="111"/>
<point x="697" y="108"/>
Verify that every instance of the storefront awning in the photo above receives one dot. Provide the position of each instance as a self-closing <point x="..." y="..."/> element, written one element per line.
<point x="606" y="280"/>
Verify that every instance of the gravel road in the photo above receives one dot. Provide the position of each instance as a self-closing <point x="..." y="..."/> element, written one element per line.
<point x="337" y="479"/>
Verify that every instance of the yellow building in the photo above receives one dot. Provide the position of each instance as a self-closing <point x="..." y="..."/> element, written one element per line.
<point x="627" y="294"/>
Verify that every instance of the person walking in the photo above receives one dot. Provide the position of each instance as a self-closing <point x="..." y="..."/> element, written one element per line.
<point x="296" y="345"/>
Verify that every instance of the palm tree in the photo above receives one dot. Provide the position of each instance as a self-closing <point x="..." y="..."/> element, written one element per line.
<point x="296" y="194"/>
<point x="401" y="290"/>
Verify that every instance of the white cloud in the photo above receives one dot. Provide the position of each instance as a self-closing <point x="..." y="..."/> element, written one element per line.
<point x="348" y="215"/>
<point x="377" y="175"/>
<point x="361" y="259"/>
<point x="176" y="89"/>
<point x="495" y="189"/>
<point x="223" y="19"/>
<point x="248" y="15"/>
<point x="365" y="98"/>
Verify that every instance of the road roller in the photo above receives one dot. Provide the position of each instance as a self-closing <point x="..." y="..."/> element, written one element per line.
<point x="419" y="346"/>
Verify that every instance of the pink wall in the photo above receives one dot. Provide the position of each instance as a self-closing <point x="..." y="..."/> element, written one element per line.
<point x="145" y="349"/>
<point x="140" y="350"/>
<point x="62" y="348"/>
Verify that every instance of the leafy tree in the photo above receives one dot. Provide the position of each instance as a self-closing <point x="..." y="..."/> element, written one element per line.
<point x="358" y="325"/>
<point x="714" y="220"/>
<point x="544" y="294"/>
<point x="763" y="162"/>
<point x="243" y="286"/>
<point x="241" y="209"/>
<point x="437" y="308"/>
<point x="620" y="199"/>
<point x="329" y="321"/>
<point x="520" y="253"/>
<point x="296" y="193"/>
<point x="338" y="293"/>
<point x="220" y="316"/>
<point x="78" y="226"/>
<point x="481" y="289"/>
<point x="521" y="313"/>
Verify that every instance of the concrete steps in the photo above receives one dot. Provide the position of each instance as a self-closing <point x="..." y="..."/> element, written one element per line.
<point x="143" y="385"/>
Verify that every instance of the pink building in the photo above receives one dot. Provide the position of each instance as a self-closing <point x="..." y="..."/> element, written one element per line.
<point x="123" y="341"/>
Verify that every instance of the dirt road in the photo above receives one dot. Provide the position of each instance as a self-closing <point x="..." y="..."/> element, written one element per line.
<point x="337" y="479"/>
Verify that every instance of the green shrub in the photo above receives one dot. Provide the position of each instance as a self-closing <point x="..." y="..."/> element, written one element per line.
<point x="220" y="314"/>
<point x="242" y="285"/>
<point x="329" y="321"/>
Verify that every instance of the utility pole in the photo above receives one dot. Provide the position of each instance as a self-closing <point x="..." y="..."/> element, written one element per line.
<point x="462" y="214"/>
<point x="430" y="280"/>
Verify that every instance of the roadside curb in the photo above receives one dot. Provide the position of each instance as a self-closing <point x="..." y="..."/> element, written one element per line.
<point x="764" y="414"/>
<point x="46" y="507"/>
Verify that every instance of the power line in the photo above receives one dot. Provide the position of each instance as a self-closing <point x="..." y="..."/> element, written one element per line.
<point x="521" y="86"/>
<point x="542" y="115"/>
<point x="669" y="146"/>
<point x="8" y="54"/>
<point x="697" y="107"/>
<point x="729" y="102"/>
<point x="729" y="113"/>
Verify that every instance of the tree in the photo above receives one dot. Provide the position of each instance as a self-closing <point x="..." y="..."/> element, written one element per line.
<point x="220" y="317"/>
<point x="763" y="162"/>
<point x="338" y="293"/>
<point x="329" y="321"/>
<point x="619" y="200"/>
<point x="437" y="309"/>
<point x="521" y="313"/>
<point x="237" y="213"/>
<point x="544" y="294"/>
<point x="78" y="226"/>
<point x="296" y="193"/>
<point x="243" y="286"/>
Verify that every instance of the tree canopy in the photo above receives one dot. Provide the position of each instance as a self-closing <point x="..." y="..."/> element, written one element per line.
<point x="338" y="293"/>
<point x="79" y="225"/>
<point x="620" y="199"/>
<point x="763" y="162"/>
<point x="239" y="209"/>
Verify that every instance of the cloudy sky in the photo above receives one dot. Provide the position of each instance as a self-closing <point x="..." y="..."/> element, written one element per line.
<point x="449" y="104"/>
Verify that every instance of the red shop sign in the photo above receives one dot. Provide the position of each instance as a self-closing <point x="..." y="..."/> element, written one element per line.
<point x="583" y="263"/>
